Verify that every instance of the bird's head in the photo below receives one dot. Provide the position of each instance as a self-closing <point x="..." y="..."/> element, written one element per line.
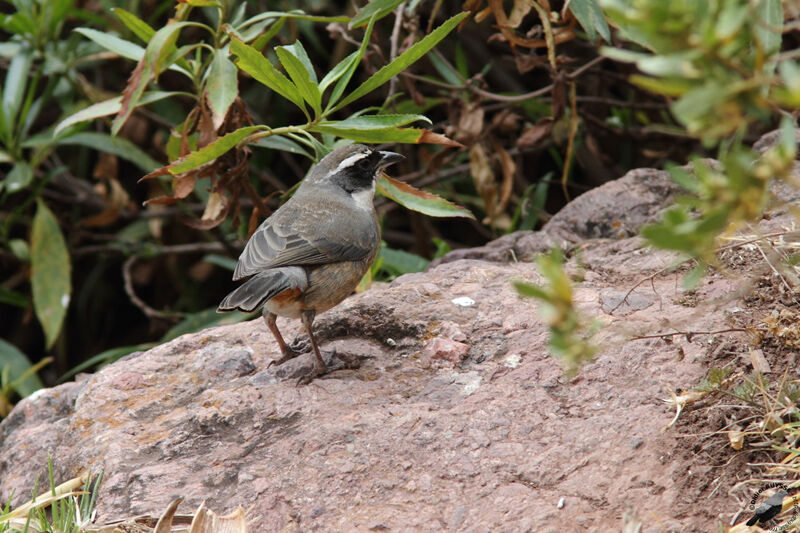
<point x="353" y="167"/>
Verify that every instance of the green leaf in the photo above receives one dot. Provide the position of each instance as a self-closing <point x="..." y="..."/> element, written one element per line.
<point x="111" y="107"/>
<point x="399" y="262"/>
<point x="16" y="81"/>
<point x="337" y="71"/>
<point x="115" y="145"/>
<point x="591" y="19"/>
<point x="208" y="153"/>
<point x="222" y="86"/>
<point x="106" y="357"/>
<point x="20" y="177"/>
<point x="295" y="60"/>
<point x="160" y="49"/>
<point x="348" y="72"/>
<point x="18" y="299"/>
<point x="380" y="8"/>
<point x="119" y="46"/>
<point x="404" y="60"/>
<point x="531" y="291"/>
<point x="18" y="364"/>
<point x="279" y="142"/>
<point x="50" y="273"/>
<point x="768" y="32"/>
<point x="375" y="129"/>
<point x="5" y="157"/>
<point x="417" y="200"/>
<point x="139" y="27"/>
<point x="259" y="67"/>
<point x="204" y="319"/>
<point x="295" y="14"/>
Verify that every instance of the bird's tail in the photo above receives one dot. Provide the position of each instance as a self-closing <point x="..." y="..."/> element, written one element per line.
<point x="263" y="286"/>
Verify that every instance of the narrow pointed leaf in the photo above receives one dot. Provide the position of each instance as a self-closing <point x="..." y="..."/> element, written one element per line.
<point x="375" y="129"/>
<point x="221" y="86"/>
<point x="139" y="27"/>
<point x="379" y="8"/>
<point x="337" y="71"/>
<point x="404" y="60"/>
<point x="341" y="85"/>
<point x="113" y="43"/>
<point x="297" y="70"/>
<point x="417" y="200"/>
<point x="50" y="273"/>
<point x="115" y="145"/>
<point x="110" y="107"/>
<point x="15" y="83"/>
<point x="295" y="14"/>
<point x="259" y="67"/>
<point x="206" y="154"/>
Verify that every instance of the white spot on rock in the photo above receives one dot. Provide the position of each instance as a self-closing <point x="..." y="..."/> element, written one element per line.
<point x="464" y="301"/>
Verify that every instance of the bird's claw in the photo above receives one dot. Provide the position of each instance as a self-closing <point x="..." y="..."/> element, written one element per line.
<point x="288" y="355"/>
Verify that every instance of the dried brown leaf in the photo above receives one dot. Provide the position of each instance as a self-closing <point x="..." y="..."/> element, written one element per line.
<point x="482" y="176"/>
<point x="214" y="206"/>
<point x="107" y="166"/>
<point x="508" y="167"/>
<point x="470" y="123"/>
<point x="429" y="137"/>
<point x="533" y="135"/>
<point x="183" y="185"/>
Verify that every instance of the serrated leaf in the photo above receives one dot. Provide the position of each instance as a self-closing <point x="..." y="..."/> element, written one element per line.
<point x="160" y="48"/>
<point x="259" y="67"/>
<point x="417" y="200"/>
<point x="379" y="8"/>
<point x="113" y="43"/>
<point x="206" y="154"/>
<point x="18" y="364"/>
<point x="50" y="273"/>
<point x="404" y="60"/>
<point x="221" y="86"/>
<point x="302" y="74"/>
<point x="110" y="107"/>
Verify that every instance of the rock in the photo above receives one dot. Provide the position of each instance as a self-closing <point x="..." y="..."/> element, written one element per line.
<point x="491" y="441"/>
<point x="614" y="210"/>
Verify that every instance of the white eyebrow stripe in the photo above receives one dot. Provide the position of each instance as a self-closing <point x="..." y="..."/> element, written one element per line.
<point x="350" y="160"/>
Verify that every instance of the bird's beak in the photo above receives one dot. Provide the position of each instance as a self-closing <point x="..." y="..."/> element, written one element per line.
<point x="389" y="158"/>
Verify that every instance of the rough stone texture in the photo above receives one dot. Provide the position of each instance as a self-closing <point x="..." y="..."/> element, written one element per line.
<point x="614" y="210"/>
<point x="456" y="420"/>
<point x="409" y="441"/>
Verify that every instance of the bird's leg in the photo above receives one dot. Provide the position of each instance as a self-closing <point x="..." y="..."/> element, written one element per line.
<point x="319" y="363"/>
<point x="287" y="352"/>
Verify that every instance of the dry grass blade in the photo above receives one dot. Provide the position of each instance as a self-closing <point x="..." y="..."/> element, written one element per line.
<point x="202" y="521"/>
<point x="65" y="490"/>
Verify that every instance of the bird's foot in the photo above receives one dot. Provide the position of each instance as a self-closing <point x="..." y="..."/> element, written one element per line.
<point x="288" y="354"/>
<point x="316" y="371"/>
<point x="300" y="345"/>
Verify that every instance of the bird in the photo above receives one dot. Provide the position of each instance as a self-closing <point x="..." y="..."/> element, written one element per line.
<point x="768" y="510"/>
<point x="310" y="254"/>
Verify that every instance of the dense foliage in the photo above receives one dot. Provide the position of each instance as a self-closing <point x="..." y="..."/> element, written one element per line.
<point x="506" y="108"/>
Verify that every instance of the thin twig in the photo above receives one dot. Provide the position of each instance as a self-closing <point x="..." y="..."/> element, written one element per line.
<point x="138" y="302"/>
<point x="687" y="333"/>
<point x="398" y="23"/>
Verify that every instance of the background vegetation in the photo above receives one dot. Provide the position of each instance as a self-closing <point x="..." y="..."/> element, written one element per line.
<point x="224" y="104"/>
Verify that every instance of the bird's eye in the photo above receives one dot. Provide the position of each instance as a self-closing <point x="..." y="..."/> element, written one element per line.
<point x="364" y="164"/>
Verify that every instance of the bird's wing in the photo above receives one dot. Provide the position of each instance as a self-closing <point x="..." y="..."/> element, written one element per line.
<point x="309" y="237"/>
